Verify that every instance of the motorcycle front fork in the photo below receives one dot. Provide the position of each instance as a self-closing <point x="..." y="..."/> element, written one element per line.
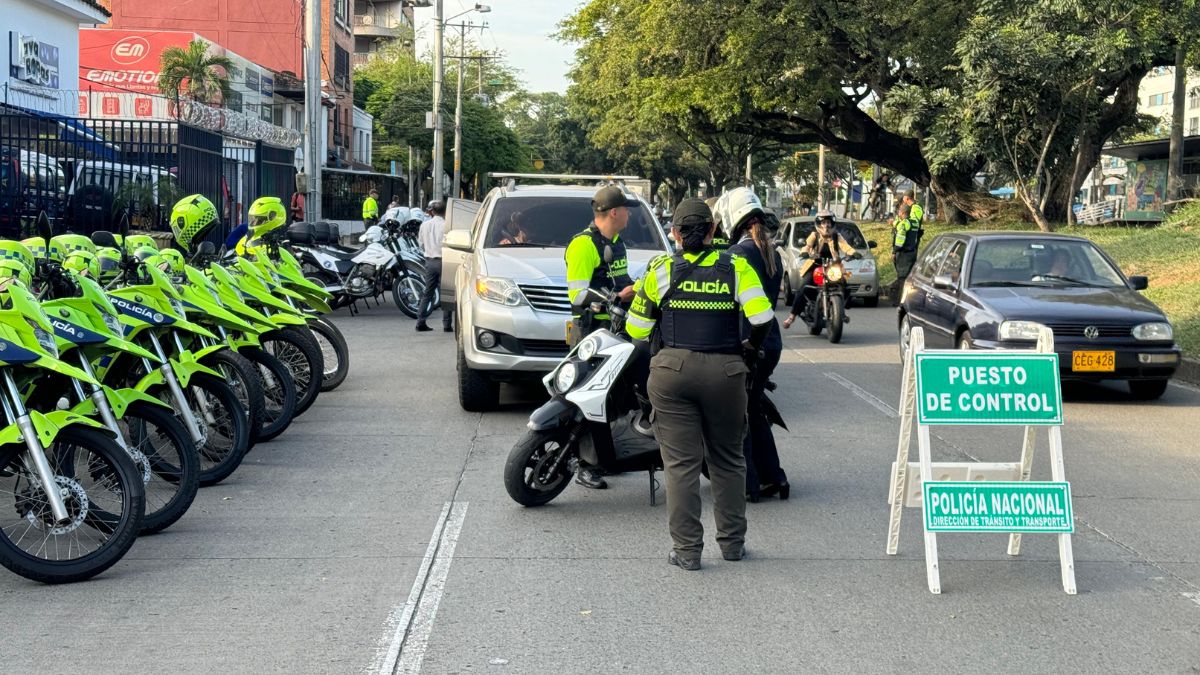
<point x="14" y="409"/>
<point x="181" y="403"/>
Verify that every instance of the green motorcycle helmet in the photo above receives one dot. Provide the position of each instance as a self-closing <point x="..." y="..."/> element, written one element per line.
<point x="63" y="245"/>
<point x="138" y="242"/>
<point x="84" y="263"/>
<point x="37" y="247"/>
<point x="191" y="218"/>
<point x="109" y="260"/>
<point x="266" y="214"/>
<point x="16" y="262"/>
<point x="175" y="258"/>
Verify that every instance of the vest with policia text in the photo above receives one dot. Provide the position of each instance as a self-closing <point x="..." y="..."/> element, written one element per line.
<point x="701" y="313"/>
<point x="614" y="275"/>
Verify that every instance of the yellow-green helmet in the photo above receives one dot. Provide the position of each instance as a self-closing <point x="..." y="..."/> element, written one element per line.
<point x="109" y="260"/>
<point x="83" y="262"/>
<point x="266" y="214"/>
<point x="37" y="247"/>
<point x="16" y="261"/>
<point x="175" y="258"/>
<point x="137" y="242"/>
<point x="191" y="218"/>
<point x="64" y="244"/>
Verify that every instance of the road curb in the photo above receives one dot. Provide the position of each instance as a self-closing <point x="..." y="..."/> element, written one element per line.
<point x="1188" y="371"/>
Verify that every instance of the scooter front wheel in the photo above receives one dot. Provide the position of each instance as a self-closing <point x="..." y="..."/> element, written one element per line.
<point x="536" y="471"/>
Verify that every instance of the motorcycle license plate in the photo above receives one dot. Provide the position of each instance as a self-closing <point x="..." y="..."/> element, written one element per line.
<point x="1093" y="362"/>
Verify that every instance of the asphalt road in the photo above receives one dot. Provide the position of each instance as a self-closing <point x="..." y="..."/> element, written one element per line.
<point x="376" y="531"/>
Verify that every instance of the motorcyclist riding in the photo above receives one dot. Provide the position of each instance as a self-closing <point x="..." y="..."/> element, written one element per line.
<point x="822" y="242"/>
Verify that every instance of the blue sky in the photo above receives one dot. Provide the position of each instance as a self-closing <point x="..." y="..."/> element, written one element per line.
<point x="521" y="29"/>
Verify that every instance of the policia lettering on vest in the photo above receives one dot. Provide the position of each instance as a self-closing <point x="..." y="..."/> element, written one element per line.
<point x="693" y="302"/>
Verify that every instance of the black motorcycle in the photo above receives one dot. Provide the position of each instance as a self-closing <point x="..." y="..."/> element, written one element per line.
<point x="828" y="295"/>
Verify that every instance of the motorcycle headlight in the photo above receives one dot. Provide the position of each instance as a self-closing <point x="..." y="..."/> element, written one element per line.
<point x="587" y="349"/>
<point x="565" y="377"/>
<point x="1158" y="330"/>
<point x="835" y="273"/>
<point x="1020" y="330"/>
<point x="113" y="323"/>
<point x="177" y="307"/>
<point x="500" y="291"/>
<point x="45" y="339"/>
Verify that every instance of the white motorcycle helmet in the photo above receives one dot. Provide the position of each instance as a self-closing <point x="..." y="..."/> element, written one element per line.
<point x="735" y="206"/>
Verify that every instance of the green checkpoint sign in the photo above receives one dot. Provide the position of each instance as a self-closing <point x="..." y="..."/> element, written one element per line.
<point x="1000" y="506"/>
<point x="988" y="388"/>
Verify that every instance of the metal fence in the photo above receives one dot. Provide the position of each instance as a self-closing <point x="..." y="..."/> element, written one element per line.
<point x="84" y="173"/>
<point x="343" y="192"/>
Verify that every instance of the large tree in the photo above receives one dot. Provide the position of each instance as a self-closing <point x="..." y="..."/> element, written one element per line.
<point x="813" y="71"/>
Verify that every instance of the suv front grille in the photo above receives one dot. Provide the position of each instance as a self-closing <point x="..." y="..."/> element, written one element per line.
<point x="547" y="298"/>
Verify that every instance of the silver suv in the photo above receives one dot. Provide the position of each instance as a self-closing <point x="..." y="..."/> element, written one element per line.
<point x="504" y="273"/>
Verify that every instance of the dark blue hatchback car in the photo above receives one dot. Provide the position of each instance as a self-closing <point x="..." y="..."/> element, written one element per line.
<point x="996" y="289"/>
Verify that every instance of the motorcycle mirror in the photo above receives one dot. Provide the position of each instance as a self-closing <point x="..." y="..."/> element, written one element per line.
<point x="608" y="254"/>
<point x="104" y="238"/>
<point x="123" y="225"/>
<point x="43" y="226"/>
<point x="872" y="244"/>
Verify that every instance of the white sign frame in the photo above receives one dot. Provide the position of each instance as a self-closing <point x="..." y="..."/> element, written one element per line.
<point x="899" y="482"/>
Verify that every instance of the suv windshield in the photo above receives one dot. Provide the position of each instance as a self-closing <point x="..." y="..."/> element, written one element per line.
<point x="1044" y="262"/>
<point x="849" y="232"/>
<point x="551" y="222"/>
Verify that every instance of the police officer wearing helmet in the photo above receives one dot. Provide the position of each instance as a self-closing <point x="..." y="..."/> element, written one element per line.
<point x="696" y="300"/>
<point x="745" y="222"/>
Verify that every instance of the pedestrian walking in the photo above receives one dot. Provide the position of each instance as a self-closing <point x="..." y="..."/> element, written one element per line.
<point x="906" y="239"/>
<point x="693" y="302"/>
<point x="432" y="232"/>
<point x="371" y="208"/>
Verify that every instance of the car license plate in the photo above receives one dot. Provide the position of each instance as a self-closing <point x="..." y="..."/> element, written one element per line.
<point x="1096" y="362"/>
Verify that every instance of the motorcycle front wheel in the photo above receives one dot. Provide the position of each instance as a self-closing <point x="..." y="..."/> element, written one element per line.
<point x="279" y="394"/>
<point x="242" y="378"/>
<point x="296" y="348"/>
<point x="225" y="426"/>
<point x="837" y="314"/>
<point x="104" y="497"/>
<point x="171" y="476"/>
<point x="530" y="476"/>
<point x="408" y="289"/>
<point x="334" y="352"/>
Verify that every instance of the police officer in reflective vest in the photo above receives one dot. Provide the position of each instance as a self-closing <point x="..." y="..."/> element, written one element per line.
<point x="596" y="259"/>
<point x="695" y="301"/>
<point x="904" y="245"/>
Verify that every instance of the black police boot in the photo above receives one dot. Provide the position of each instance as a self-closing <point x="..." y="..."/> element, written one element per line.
<point x="423" y="327"/>
<point x="687" y="564"/>
<point x="590" y="478"/>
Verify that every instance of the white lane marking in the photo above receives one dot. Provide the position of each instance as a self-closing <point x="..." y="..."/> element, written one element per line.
<point x="402" y="615"/>
<point x="1194" y="597"/>
<point x="864" y="395"/>
<point x="1186" y="386"/>
<point x="413" y="651"/>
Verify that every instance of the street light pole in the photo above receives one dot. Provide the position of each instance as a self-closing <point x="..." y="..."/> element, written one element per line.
<point x="438" y="141"/>
<point x="313" y="110"/>
<point x="462" y="47"/>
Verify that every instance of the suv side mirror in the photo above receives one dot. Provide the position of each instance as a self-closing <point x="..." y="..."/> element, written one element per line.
<point x="459" y="240"/>
<point x="1139" y="283"/>
<point x="943" y="282"/>
<point x="872" y="244"/>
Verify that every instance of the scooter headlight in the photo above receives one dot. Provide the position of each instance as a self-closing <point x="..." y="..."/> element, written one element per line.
<point x="587" y="349"/>
<point x="564" y="379"/>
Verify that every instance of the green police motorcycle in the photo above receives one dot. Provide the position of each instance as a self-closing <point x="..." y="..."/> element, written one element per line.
<point x="72" y="498"/>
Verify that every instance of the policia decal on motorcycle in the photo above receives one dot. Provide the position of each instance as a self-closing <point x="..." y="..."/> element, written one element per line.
<point x="698" y="377"/>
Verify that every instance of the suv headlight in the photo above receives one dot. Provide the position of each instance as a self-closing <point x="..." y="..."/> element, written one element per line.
<point x="1020" y="330"/>
<point x="500" y="291"/>
<point x="1158" y="330"/>
<point x="565" y="377"/>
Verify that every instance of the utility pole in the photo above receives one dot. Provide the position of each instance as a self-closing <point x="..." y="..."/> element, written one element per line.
<point x="462" y="55"/>
<point x="438" y="140"/>
<point x="410" y="177"/>
<point x="1175" y="152"/>
<point x="820" y="177"/>
<point x="314" y="111"/>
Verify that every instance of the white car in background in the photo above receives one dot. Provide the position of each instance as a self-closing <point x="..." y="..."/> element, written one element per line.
<point x="510" y="300"/>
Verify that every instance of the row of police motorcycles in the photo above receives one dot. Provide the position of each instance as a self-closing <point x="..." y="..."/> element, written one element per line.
<point x="132" y="376"/>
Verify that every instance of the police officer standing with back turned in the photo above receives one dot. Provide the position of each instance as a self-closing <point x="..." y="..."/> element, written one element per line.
<point x="695" y="301"/>
<point x="907" y="237"/>
<point x="589" y="267"/>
